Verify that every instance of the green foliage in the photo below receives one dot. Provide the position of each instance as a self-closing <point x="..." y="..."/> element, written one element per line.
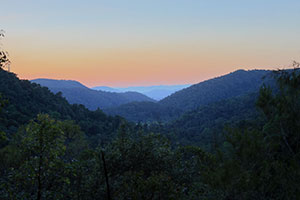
<point x="40" y="171"/>
<point x="26" y="100"/>
<point x="145" y="112"/>
<point x="140" y="167"/>
<point x="282" y="112"/>
<point x="239" y="169"/>
<point x="75" y="140"/>
<point x="77" y="157"/>
<point x="204" y="126"/>
<point x="3" y="139"/>
<point x="263" y="164"/>
<point x="2" y="102"/>
<point x="52" y="161"/>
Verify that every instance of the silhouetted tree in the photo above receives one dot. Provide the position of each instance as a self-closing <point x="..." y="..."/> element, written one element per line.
<point x="4" y="60"/>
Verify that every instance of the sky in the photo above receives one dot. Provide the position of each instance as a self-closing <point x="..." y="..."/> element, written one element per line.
<point x="148" y="42"/>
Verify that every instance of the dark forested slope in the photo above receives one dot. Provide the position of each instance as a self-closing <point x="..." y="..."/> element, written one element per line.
<point x="144" y="112"/>
<point x="206" y="123"/>
<point x="26" y="100"/>
<point x="77" y="93"/>
<point x="49" y="159"/>
<point x="234" y="84"/>
<point x="238" y="83"/>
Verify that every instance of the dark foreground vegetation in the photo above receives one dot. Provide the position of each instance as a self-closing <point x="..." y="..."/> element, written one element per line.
<point x="48" y="158"/>
<point x="50" y="149"/>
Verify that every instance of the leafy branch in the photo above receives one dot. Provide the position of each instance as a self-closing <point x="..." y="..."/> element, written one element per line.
<point x="4" y="58"/>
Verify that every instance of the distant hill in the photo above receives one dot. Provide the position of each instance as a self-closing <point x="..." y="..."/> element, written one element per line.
<point x="235" y="84"/>
<point x="156" y="92"/>
<point x="76" y="92"/>
<point x="106" y="89"/>
<point x="51" y="83"/>
<point x="26" y="100"/>
<point x="159" y="94"/>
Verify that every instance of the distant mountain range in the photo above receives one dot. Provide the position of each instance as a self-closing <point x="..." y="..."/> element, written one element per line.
<point x="195" y="114"/>
<point x="218" y="89"/>
<point x="77" y="93"/>
<point x="138" y="107"/>
<point x="26" y="100"/>
<point x="156" y="92"/>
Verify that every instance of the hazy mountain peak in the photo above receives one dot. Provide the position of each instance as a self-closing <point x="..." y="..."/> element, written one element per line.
<point x="156" y="92"/>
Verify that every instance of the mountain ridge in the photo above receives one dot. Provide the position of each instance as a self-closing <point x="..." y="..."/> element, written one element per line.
<point x="231" y="85"/>
<point x="25" y="100"/>
<point x="156" y="92"/>
<point x="218" y="88"/>
<point x="75" y="92"/>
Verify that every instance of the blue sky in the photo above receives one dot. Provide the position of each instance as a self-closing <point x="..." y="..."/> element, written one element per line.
<point x="125" y="43"/>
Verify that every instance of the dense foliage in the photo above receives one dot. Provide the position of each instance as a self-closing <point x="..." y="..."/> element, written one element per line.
<point x="77" y="93"/>
<point x="26" y="100"/>
<point x="144" y="112"/>
<point x="204" y="126"/>
<point x="50" y="157"/>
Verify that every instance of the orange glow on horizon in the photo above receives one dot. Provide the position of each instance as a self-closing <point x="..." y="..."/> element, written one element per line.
<point x="120" y="43"/>
<point x="166" y="63"/>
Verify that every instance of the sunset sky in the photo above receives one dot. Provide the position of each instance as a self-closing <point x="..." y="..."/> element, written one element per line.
<point x="148" y="42"/>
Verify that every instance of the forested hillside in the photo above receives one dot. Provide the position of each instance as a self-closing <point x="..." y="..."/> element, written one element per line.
<point x="50" y="159"/>
<point x="144" y="112"/>
<point x="238" y="83"/>
<point x="235" y="136"/>
<point x="25" y="100"/>
<point x="205" y="125"/>
<point x="234" y="84"/>
<point x="77" y="93"/>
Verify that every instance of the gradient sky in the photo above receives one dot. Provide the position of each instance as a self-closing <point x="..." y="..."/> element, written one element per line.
<point x="148" y="42"/>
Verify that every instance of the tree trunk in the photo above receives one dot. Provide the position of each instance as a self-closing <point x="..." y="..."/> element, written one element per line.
<point x="106" y="176"/>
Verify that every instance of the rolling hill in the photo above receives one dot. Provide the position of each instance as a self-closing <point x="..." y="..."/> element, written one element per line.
<point x="76" y="92"/>
<point x="235" y="84"/>
<point x="26" y="100"/>
<point x="156" y="92"/>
